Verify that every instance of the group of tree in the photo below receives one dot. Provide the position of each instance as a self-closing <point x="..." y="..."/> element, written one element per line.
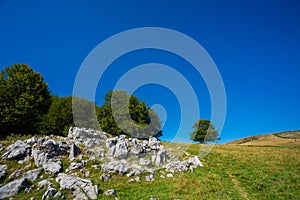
<point x="27" y="107"/>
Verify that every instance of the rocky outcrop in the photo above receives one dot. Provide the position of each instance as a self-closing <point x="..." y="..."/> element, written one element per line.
<point x="114" y="155"/>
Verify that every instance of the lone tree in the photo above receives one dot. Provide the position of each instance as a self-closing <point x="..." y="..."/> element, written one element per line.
<point x="140" y="122"/>
<point x="204" y="131"/>
<point x="24" y="99"/>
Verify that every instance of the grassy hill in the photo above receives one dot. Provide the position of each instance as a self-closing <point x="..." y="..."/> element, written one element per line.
<point x="289" y="138"/>
<point x="229" y="172"/>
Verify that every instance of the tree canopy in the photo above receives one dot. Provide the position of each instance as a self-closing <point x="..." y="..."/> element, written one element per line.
<point x="24" y="99"/>
<point x="204" y="131"/>
<point x="59" y="117"/>
<point x="124" y="114"/>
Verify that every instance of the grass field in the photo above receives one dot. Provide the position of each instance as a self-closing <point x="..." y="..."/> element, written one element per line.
<point x="229" y="172"/>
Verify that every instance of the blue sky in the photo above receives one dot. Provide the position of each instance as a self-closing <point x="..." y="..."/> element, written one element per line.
<point x="255" y="45"/>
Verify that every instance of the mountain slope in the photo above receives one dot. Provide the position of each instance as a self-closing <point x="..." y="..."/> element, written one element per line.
<point x="288" y="138"/>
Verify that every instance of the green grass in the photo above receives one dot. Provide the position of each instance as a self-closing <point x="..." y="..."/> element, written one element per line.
<point x="229" y="172"/>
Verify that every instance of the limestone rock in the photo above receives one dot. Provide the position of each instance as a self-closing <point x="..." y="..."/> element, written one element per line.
<point x="121" y="149"/>
<point x="117" y="167"/>
<point x="83" y="187"/>
<point x="105" y="177"/>
<point x="50" y="193"/>
<point x="43" y="183"/>
<point x="13" y="188"/>
<point x="3" y="172"/>
<point x="18" y="150"/>
<point x="161" y="157"/>
<point x="53" y="166"/>
<point x="74" y="166"/>
<point x="110" y="192"/>
<point x="74" y="151"/>
<point x="32" y="175"/>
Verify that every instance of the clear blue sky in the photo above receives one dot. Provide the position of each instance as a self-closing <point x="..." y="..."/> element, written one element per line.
<point x="255" y="45"/>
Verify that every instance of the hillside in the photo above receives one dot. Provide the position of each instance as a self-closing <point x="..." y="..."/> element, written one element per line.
<point x="229" y="172"/>
<point x="289" y="138"/>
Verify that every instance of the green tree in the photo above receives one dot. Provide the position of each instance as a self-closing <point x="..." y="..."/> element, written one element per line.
<point x="204" y="131"/>
<point x="139" y="114"/>
<point x="24" y="99"/>
<point x="59" y="117"/>
<point x="84" y="113"/>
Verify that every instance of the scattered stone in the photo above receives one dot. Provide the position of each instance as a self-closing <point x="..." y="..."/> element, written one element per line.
<point x="43" y="183"/>
<point x="13" y="188"/>
<point x="162" y="176"/>
<point x="130" y="180"/>
<point x="137" y="179"/>
<point x="110" y="192"/>
<point x="105" y="177"/>
<point x="87" y="174"/>
<point x="170" y="176"/>
<point x="82" y="187"/>
<point x="74" y="166"/>
<point x="149" y="178"/>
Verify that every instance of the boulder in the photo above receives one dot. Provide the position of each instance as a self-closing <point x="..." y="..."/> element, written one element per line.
<point x="32" y="175"/>
<point x="31" y="141"/>
<point x="170" y="175"/>
<point x="18" y="150"/>
<point x="117" y="167"/>
<point x="43" y="183"/>
<point x="53" y="166"/>
<point x="74" y="166"/>
<point x="105" y="177"/>
<point x="121" y="149"/>
<point x="161" y="157"/>
<point x="82" y="187"/>
<point x="74" y="151"/>
<point x="110" y="192"/>
<point x="195" y="161"/>
<point x="145" y="162"/>
<point x="13" y="188"/>
<point x="137" y="148"/>
<point x="149" y="178"/>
